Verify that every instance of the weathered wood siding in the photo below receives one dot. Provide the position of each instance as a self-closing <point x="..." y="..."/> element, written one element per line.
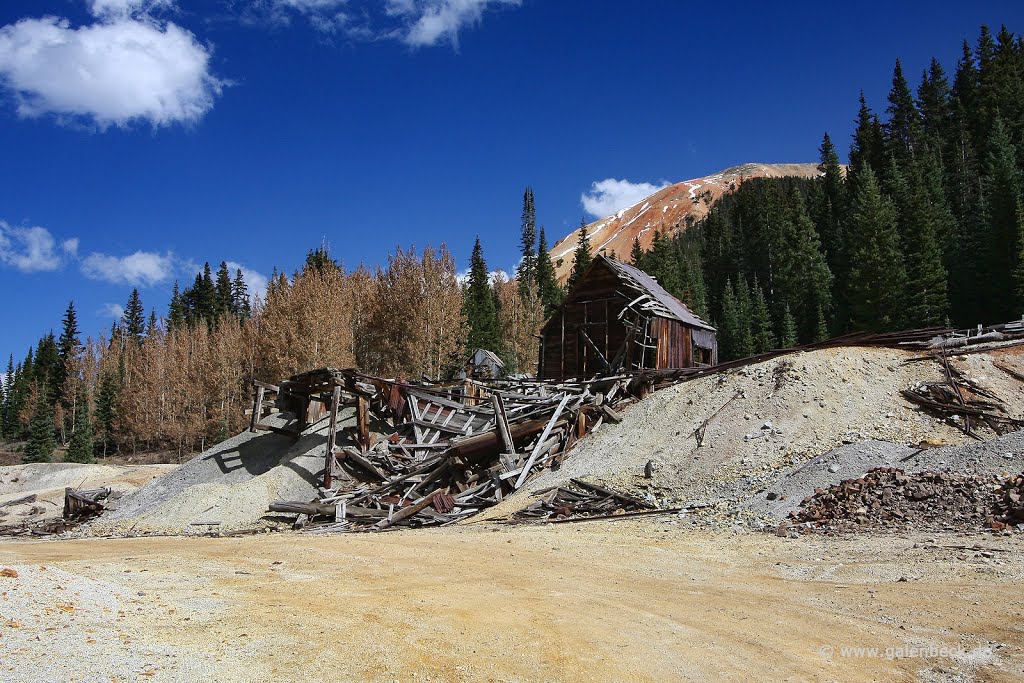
<point x="592" y="312"/>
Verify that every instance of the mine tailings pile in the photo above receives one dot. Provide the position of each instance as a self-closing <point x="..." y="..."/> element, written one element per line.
<point x="888" y="497"/>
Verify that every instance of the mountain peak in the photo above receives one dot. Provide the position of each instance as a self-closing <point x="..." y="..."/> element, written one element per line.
<point x="669" y="208"/>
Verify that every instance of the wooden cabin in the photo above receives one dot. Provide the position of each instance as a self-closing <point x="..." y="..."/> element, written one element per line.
<point x="618" y="317"/>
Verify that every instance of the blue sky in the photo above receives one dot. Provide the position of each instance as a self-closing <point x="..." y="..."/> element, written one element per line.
<point x="141" y="137"/>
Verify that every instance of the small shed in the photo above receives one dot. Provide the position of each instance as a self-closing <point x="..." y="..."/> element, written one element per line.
<point x="618" y="317"/>
<point x="483" y="364"/>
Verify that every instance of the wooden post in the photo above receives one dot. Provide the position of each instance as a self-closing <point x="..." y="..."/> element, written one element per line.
<point x="257" y="409"/>
<point x="581" y="425"/>
<point x="331" y="437"/>
<point x="362" y="420"/>
<point x="501" y="422"/>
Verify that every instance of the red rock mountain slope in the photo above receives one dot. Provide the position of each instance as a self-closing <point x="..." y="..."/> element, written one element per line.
<point x="667" y="209"/>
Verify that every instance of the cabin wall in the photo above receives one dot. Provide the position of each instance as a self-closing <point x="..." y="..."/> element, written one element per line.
<point x="592" y="312"/>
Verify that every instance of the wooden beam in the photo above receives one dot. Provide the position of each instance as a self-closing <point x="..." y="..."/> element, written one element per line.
<point x="257" y="408"/>
<point x="331" y="437"/>
<point x="501" y="422"/>
<point x="540" y="442"/>
<point x="362" y="419"/>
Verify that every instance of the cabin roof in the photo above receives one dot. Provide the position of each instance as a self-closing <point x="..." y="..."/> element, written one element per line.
<point x="659" y="302"/>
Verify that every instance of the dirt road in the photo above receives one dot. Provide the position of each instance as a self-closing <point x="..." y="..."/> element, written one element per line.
<point x="643" y="600"/>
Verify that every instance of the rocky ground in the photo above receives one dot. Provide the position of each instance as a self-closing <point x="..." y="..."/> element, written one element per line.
<point x="637" y="600"/>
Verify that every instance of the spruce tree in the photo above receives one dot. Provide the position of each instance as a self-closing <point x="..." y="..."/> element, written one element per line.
<point x="877" y="279"/>
<point x="177" y="313"/>
<point x="933" y="101"/>
<point x="527" y="272"/>
<point x="550" y="292"/>
<point x="833" y="198"/>
<point x="581" y="258"/>
<point x="206" y="292"/>
<point x="663" y="264"/>
<point x="1002" y="195"/>
<point x="636" y="255"/>
<point x="926" y="301"/>
<point x="787" y="329"/>
<point x="240" y="305"/>
<point x="867" y="148"/>
<point x="745" y="314"/>
<point x="133" y="320"/>
<point x="106" y="409"/>
<point x="730" y="330"/>
<point x="41" y="443"/>
<point x="802" y="278"/>
<point x="903" y="128"/>
<point x="761" y="320"/>
<point x="318" y="260"/>
<point x="481" y="312"/>
<point x="223" y="289"/>
<point x="81" y="447"/>
<point x="68" y="347"/>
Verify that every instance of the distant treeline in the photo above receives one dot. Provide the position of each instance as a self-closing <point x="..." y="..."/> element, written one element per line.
<point x="926" y="227"/>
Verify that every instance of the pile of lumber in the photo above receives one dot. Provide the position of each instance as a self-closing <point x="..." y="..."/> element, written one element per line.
<point x="582" y="499"/>
<point x="423" y="455"/>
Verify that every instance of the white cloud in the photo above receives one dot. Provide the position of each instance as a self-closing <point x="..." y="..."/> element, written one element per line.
<point x="429" y="22"/>
<point x="115" y="311"/>
<point x="124" y="8"/>
<point x="255" y="282"/>
<point x="143" y="268"/>
<point x="31" y="249"/>
<point x="609" y="195"/>
<point x="128" y="66"/>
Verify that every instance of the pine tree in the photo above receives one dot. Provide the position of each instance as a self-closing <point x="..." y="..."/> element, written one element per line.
<point x="320" y="260"/>
<point x="223" y="290"/>
<point x="581" y="258"/>
<point x="240" y="305"/>
<point x="177" y="313"/>
<point x="730" y="328"/>
<point x="761" y="320"/>
<point x="787" y="329"/>
<point x="206" y="295"/>
<point x="933" y="101"/>
<point x="903" y="128"/>
<point x="480" y="308"/>
<point x="133" y="320"/>
<point x="68" y="348"/>
<point x="551" y="294"/>
<point x="1002" y="196"/>
<point x="745" y="314"/>
<point x="81" y="447"/>
<point x="833" y="197"/>
<point x="926" y="302"/>
<point x="527" y="272"/>
<point x="802" y="278"/>
<point x="151" y="323"/>
<point x="636" y="255"/>
<point x="106" y="409"/>
<point x="663" y="264"/>
<point x="867" y="148"/>
<point x="41" y="443"/>
<point x="877" y="280"/>
<point x="821" y="326"/>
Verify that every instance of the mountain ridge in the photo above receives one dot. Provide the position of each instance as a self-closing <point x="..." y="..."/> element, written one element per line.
<point x="670" y="208"/>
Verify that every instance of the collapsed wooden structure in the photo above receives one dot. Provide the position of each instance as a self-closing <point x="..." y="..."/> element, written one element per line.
<point x="617" y="317"/>
<point x="431" y="454"/>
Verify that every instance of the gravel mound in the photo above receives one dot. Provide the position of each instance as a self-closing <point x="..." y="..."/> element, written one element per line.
<point x="229" y="486"/>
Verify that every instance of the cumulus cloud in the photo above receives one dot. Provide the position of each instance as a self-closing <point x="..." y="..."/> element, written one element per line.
<point x="115" y="311"/>
<point x="143" y="268"/>
<point x="126" y="66"/>
<point x="607" y="196"/>
<point x="418" y="23"/>
<point x="33" y="249"/>
<point x="429" y="22"/>
<point x="255" y="281"/>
